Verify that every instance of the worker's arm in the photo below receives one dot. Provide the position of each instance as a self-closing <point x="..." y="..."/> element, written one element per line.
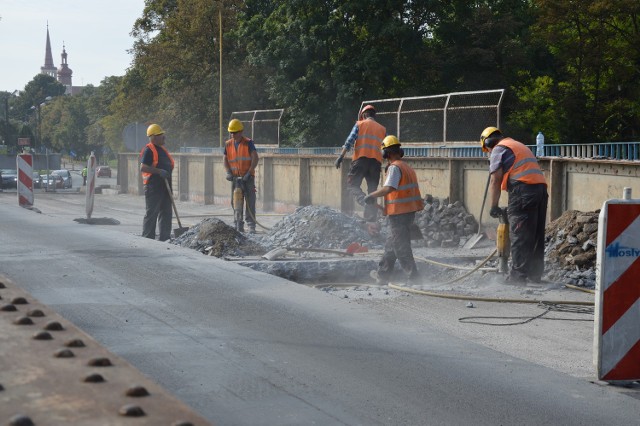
<point x="494" y="188"/>
<point x="145" y="168"/>
<point x="382" y="191"/>
<point x="254" y="161"/>
<point x="227" y="166"/>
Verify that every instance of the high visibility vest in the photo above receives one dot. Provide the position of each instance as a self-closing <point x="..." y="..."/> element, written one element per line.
<point x="406" y="198"/>
<point x="525" y="167"/>
<point x="369" y="141"/>
<point x="145" y="175"/>
<point x="240" y="159"/>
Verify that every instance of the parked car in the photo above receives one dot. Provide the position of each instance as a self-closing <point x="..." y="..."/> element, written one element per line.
<point x="66" y="177"/>
<point x="54" y="182"/>
<point x="37" y="180"/>
<point x="103" y="171"/>
<point x="9" y="178"/>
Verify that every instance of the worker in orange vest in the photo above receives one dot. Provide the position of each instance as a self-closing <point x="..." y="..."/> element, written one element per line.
<point x="240" y="160"/>
<point x="156" y="165"/>
<point x="366" y="139"/>
<point x="514" y="168"/>
<point x="402" y="200"/>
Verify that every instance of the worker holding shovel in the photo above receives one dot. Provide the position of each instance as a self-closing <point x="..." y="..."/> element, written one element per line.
<point x="156" y="165"/>
<point x="402" y="200"/>
<point x="240" y="160"/>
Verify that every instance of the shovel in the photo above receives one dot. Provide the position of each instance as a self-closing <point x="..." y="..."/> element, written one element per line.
<point x="181" y="229"/>
<point x="471" y="242"/>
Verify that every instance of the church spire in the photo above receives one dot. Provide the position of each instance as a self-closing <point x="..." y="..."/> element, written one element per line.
<point x="48" y="67"/>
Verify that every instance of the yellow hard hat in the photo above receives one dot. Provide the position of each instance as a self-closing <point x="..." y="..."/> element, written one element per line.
<point x="485" y="134"/>
<point x="235" y="125"/>
<point x="154" y="130"/>
<point x="390" y="141"/>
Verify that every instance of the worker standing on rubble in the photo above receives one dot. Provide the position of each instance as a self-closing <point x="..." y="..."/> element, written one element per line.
<point x="514" y="168"/>
<point x="156" y="165"/>
<point x="366" y="139"/>
<point x="402" y="200"/>
<point x="240" y="160"/>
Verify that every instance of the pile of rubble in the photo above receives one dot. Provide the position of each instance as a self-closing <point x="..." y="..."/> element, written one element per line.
<point x="570" y="248"/>
<point x="444" y="224"/>
<point x="319" y="227"/>
<point x="215" y="238"/>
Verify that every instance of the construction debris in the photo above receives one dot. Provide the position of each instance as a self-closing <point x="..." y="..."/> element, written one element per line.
<point x="445" y="224"/>
<point x="570" y="248"/>
<point x="213" y="237"/>
<point x="320" y="227"/>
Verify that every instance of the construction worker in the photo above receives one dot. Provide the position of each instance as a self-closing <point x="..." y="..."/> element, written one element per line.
<point x="514" y="168"/>
<point x="240" y="160"/>
<point x="366" y="138"/>
<point x="156" y="165"/>
<point x="84" y="176"/>
<point x="402" y="201"/>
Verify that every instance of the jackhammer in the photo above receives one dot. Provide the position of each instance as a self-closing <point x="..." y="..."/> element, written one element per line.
<point x="503" y="244"/>
<point x="238" y="204"/>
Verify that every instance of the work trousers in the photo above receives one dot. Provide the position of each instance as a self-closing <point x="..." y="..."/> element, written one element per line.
<point x="158" y="209"/>
<point x="527" y="212"/>
<point x="249" y="190"/>
<point x="368" y="169"/>
<point x="398" y="247"/>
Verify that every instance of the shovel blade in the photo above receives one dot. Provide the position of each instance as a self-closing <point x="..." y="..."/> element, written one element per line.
<point x="179" y="231"/>
<point x="471" y="242"/>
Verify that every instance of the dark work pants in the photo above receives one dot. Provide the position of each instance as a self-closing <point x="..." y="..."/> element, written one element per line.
<point x="398" y="246"/>
<point x="158" y="209"/>
<point x="527" y="213"/>
<point x="249" y="190"/>
<point x="368" y="169"/>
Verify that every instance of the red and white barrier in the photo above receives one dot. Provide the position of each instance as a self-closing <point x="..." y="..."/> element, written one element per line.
<point x="24" y="163"/>
<point x="91" y="185"/>
<point x="617" y="325"/>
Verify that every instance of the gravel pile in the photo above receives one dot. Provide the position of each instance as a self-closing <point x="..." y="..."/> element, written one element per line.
<point x="445" y="224"/>
<point x="570" y="248"/>
<point x="319" y="227"/>
<point x="215" y="238"/>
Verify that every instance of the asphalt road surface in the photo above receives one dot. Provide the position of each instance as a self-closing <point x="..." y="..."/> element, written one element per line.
<point x="246" y="348"/>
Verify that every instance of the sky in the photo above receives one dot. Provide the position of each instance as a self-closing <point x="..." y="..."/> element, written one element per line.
<point x="95" y="35"/>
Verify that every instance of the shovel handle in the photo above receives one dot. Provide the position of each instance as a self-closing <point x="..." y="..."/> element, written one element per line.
<point x="173" y="203"/>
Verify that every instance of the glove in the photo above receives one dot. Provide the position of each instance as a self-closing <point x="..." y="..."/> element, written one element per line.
<point x="246" y="177"/>
<point x="369" y="199"/>
<point x="229" y="176"/>
<point x="338" y="162"/>
<point x="495" y="211"/>
<point x="164" y="174"/>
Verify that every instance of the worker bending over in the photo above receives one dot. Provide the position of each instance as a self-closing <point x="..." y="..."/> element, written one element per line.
<point x="240" y="160"/>
<point x="366" y="139"/>
<point x="514" y="169"/>
<point x="402" y="200"/>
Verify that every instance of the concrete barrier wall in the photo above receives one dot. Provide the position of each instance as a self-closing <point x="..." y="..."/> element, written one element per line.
<point x="284" y="182"/>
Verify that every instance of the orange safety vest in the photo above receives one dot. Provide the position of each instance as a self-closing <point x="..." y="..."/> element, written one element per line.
<point x="240" y="160"/>
<point x="145" y="175"/>
<point x="525" y="167"/>
<point x="406" y="198"/>
<point x="369" y="141"/>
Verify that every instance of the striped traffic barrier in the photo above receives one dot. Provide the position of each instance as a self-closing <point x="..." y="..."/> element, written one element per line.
<point x="24" y="163"/>
<point x="91" y="184"/>
<point x="617" y="325"/>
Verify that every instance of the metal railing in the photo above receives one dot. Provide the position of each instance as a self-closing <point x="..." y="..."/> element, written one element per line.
<point x="629" y="151"/>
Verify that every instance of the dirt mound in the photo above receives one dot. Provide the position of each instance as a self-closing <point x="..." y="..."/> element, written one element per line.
<point x="214" y="237"/>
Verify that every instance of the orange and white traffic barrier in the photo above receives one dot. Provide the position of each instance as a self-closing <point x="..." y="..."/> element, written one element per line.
<point x="24" y="163"/>
<point x="91" y="184"/>
<point x="617" y="325"/>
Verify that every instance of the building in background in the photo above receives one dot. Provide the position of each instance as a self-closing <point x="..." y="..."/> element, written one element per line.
<point x="64" y="73"/>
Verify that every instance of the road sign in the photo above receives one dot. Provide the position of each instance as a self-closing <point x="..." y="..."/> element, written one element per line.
<point x="24" y="141"/>
<point x="617" y="330"/>
<point x="24" y="163"/>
